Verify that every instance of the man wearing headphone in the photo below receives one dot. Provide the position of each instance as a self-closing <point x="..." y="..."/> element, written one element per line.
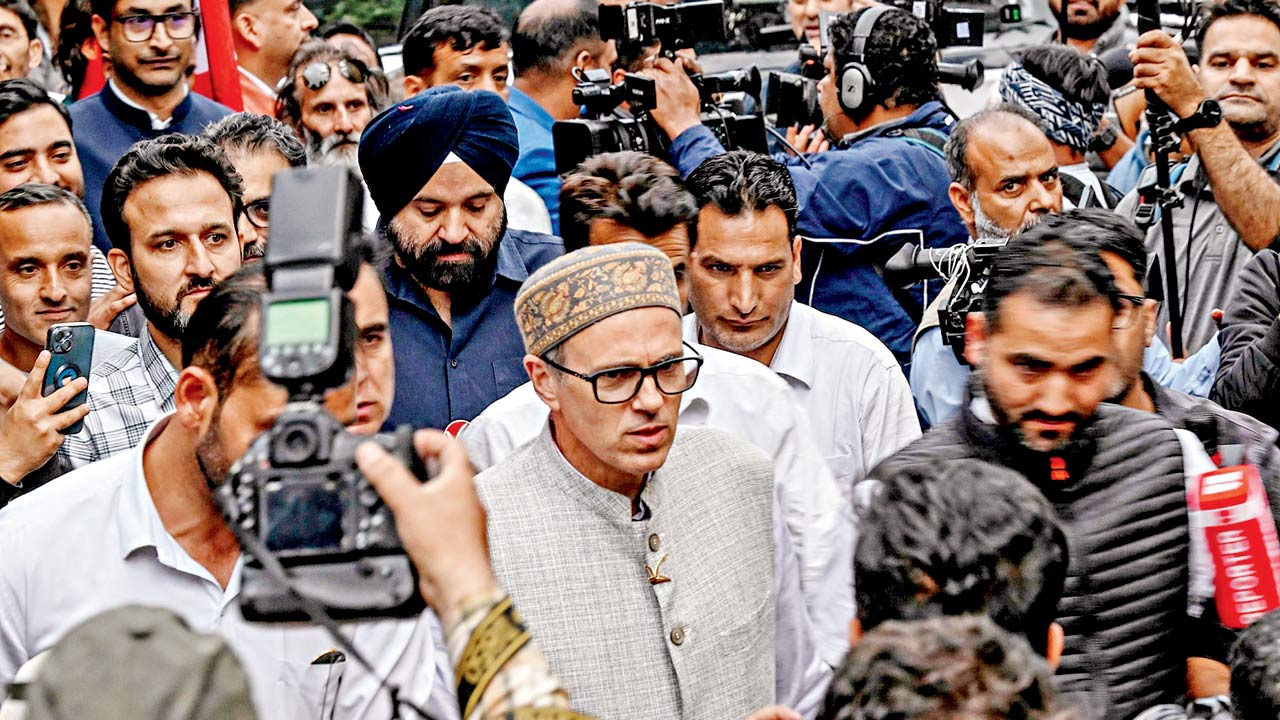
<point x="882" y="185"/>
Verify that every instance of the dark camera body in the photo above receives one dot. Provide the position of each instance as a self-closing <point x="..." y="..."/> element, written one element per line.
<point x="297" y="495"/>
<point x="951" y="26"/>
<point x="677" y="26"/>
<point x="967" y="297"/>
<point x="792" y="100"/>
<point x="607" y="131"/>
<point x="299" y="491"/>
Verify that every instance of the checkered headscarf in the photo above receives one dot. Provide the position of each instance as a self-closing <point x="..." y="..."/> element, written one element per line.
<point x="1065" y="121"/>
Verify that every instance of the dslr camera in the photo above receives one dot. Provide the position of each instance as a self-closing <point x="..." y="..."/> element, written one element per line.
<point x="682" y="25"/>
<point x="297" y="494"/>
<point x="951" y="26"/>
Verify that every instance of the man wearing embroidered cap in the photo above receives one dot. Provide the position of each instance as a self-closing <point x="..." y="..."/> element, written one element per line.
<point x="436" y="167"/>
<point x="625" y="543"/>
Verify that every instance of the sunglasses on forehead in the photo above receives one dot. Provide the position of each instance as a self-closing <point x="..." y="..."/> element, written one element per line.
<point x="318" y="74"/>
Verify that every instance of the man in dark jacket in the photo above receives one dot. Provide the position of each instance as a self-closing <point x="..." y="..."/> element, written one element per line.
<point x="150" y="44"/>
<point x="1044" y="357"/>
<point x="883" y="185"/>
<point x="1249" y="376"/>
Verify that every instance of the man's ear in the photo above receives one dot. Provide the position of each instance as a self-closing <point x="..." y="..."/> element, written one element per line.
<point x="195" y="400"/>
<point x="796" y="273"/>
<point x="543" y="382"/>
<point x="855" y="631"/>
<point x="101" y="31"/>
<point x="962" y="200"/>
<point x="35" y="53"/>
<point x="976" y="331"/>
<point x="121" y="268"/>
<point x="619" y="74"/>
<point x="583" y="60"/>
<point x="245" y="27"/>
<point x="1053" y="649"/>
<point x="413" y="85"/>
<point x="1149" y="317"/>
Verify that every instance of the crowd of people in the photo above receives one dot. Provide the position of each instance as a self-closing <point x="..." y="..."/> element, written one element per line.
<point x="697" y="453"/>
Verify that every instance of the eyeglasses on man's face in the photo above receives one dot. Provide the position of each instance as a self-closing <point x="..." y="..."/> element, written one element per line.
<point x="1128" y="311"/>
<point x="140" y="27"/>
<point x="614" y="386"/>
<point x="258" y="213"/>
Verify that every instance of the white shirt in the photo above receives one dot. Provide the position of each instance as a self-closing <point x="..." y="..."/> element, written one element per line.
<point x="94" y="541"/>
<point x="741" y="397"/>
<point x="858" y="401"/>
<point x="1081" y="172"/>
<point x="525" y="209"/>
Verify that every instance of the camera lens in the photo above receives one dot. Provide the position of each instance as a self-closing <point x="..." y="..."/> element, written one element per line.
<point x="295" y="444"/>
<point x="62" y="338"/>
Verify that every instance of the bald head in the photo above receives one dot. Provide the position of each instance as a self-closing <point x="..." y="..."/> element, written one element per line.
<point x="542" y="10"/>
<point x="551" y="35"/>
<point x="1004" y="172"/>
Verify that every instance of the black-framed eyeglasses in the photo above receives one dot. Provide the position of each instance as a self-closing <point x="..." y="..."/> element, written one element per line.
<point x="140" y="28"/>
<point x="318" y="74"/>
<point x="258" y="213"/>
<point x="614" y="386"/>
<point x="1129" y="311"/>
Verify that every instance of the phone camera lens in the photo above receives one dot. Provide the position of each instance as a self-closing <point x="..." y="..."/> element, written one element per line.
<point x="62" y="339"/>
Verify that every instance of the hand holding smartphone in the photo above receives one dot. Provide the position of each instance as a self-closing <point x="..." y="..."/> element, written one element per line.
<point x="70" y="346"/>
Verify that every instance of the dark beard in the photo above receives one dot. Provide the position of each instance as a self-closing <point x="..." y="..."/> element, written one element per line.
<point x="210" y="456"/>
<point x="171" y="321"/>
<point x="458" y="279"/>
<point x="1090" y="30"/>
<point x="126" y="77"/>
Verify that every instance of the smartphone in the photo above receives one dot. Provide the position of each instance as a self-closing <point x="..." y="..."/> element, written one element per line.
<point x="71" y="347"/>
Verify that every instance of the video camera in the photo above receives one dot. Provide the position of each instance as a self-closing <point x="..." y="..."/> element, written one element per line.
<point x="951" y="26"/>
<point x="641" y="24"/>
<point x="967" y="269"/>
<point x="604" y="131"/>
<point x="296" y="495"/>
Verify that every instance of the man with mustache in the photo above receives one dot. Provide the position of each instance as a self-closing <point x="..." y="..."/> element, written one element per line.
<point x="1095" y="26"/>
<point x="436" y="166"/>
<point x="150" y="45"/>
<point x="1043" y="349"/>
<point x="170" y="208"/>
<point x="328" y="98"/>
<point x="1228" y="190"/>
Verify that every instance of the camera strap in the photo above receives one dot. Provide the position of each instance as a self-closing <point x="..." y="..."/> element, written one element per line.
<point x="1230" y="505"/>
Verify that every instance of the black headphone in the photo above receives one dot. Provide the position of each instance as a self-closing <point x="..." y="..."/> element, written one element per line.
<point x="858" y="87"/>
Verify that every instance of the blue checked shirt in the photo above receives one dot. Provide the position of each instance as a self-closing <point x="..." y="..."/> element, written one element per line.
<point x="127" y="393"/>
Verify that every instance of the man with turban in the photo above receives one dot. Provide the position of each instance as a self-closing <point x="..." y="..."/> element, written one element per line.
<point x="649" y="564"/>
<point x="436" y="166"/>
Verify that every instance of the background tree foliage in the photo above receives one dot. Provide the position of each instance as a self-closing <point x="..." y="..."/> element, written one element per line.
<point x="382" y="18"/>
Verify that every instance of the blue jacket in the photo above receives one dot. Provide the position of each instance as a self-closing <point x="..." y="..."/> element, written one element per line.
<point x="537" y="164"/>
<point x="105" y="127"/>
<point x="452" y="372"/>
<point x="877" y="183"/>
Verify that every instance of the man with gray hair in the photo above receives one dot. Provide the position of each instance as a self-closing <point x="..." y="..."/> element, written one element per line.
<point x="258" y="147"/>
<point x="637" y="546"/>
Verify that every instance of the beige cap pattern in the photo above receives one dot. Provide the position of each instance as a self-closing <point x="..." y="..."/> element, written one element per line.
<point x="585" y="286"/>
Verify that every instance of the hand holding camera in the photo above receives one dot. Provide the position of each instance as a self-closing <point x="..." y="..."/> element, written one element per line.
<point x="442" y="523"/>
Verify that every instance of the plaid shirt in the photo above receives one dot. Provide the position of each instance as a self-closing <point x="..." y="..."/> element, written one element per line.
<point x="127" y="393"/>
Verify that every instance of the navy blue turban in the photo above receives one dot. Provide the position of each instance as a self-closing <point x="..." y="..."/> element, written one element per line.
<point x="404" y="146"/>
